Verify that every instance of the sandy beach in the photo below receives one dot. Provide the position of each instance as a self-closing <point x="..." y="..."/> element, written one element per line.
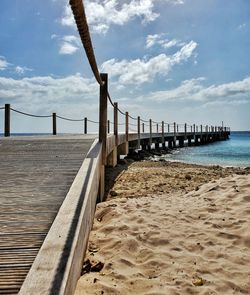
<point x="170" y="228"/>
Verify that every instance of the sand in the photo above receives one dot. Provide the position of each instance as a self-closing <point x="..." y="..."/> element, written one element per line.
<point x="171" y="228"/>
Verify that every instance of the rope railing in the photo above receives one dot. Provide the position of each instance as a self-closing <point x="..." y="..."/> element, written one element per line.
<point x="94" y="122"/>
<point x="68" y="119"/>
<point x="30" y="115"/>
<point x="155" y="127"/>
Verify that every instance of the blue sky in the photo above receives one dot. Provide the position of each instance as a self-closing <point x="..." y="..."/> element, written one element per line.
<point x="172" y="60"/>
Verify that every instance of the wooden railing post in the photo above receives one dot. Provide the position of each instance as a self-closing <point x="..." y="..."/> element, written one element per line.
<point x="157" y="128"/>
<point x="116" y="122"/>
<point x="162" y="134"/>
<point x="194" y="129"/>
<point x="85" y="125"/>
<point x="7" y="120"/>
<point x="139" y="132"/>
<point x="185" y="128"/>
<point x="103" y="115"/>
<point x="174" y="128"/>
<point x="150" y="132"/>
<point x="108" y="126"/>
<point x="54" y="123"/>
<point x="126" y="126"/>
<point x="191" y="129"/>
<point x="168" y="128"/>
<point x="143" y="128"/>
<point x="201" y="129"/>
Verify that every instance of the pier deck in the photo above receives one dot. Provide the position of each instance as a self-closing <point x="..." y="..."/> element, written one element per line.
<point x="48" y="191"/>
<point x="35" y="176"/>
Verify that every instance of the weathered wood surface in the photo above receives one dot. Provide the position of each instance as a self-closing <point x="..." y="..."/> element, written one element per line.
<point x="35" y="176"/>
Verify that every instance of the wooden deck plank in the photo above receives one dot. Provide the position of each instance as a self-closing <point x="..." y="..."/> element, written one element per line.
<point x="35" y="176"/>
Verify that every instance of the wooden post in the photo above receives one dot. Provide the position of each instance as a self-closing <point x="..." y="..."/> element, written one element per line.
<point x="54" y="123"/>
<point x="7" y="120"/>
<point x="201" y="129"/>
<point x="150" y="133"/>
<point x="143" y="129"/>
<point x="191" y="129"/>
<point x="85" y="125"/>
<point x="168" y="128"/>
<point x="157" y="128"/>
<point x="116" y="123"/>
<point x="185" y="129"/>
<point x="108" y="126"/>
<point x="194" y="128"/>
<point x="162" y="135"/>
<point x="139" y="132"/>
<point x="103" y="115"/>
<point x="126" y="126"/>
<point x="174" y="141"/>
<point x="177" y="128"/>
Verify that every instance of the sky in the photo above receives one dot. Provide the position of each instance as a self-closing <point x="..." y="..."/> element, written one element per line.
<point x="173" y="60"/>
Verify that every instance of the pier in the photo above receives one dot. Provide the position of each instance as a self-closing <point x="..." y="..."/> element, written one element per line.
<point x="50" y="184"/>
<point x="49" y="189"/>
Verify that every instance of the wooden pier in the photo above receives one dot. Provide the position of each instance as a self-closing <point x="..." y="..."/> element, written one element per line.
<point x="49" y="188"/>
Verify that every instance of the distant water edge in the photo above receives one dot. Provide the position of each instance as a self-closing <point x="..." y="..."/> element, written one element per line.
<point x="232" y="152"/>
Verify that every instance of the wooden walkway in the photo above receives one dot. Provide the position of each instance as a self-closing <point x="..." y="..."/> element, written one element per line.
<point x="57" y="179"/>
<point x="35" y="176"/>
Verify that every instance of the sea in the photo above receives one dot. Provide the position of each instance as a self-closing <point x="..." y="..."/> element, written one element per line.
<point x="232" y="152"/>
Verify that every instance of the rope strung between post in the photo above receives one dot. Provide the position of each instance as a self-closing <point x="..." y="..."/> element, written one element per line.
<point x="83" y="29"/>
<point x="68" y="119"/>
<point x="112" y="103"/>
<point x="133" y="118"/>
<point x="91" y="121"/>
<point x="120" y="124"/>
<point x="131" y="124"/>
<point x="2" y="108"/>
<point x="110" y="100"/>
<point x="30" y="115"/>
<point x="155" y="122"/>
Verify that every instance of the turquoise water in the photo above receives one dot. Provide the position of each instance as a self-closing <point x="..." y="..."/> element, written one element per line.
<point x="232" y="152"/>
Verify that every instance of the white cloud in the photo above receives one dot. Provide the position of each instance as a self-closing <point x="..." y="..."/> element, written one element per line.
<point x="68" y="48"/>
<point x="158" y="39"/>
<point x="46" y="89"/>
<point x="68" y="44"/>
<point x="193" y="90"/>
<point x="53" y="36"/>
<point x="21" y="70"/>
<point x="3" y="63"/>
<point x="102" y="14"/>
<point x="145" y="70"/>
